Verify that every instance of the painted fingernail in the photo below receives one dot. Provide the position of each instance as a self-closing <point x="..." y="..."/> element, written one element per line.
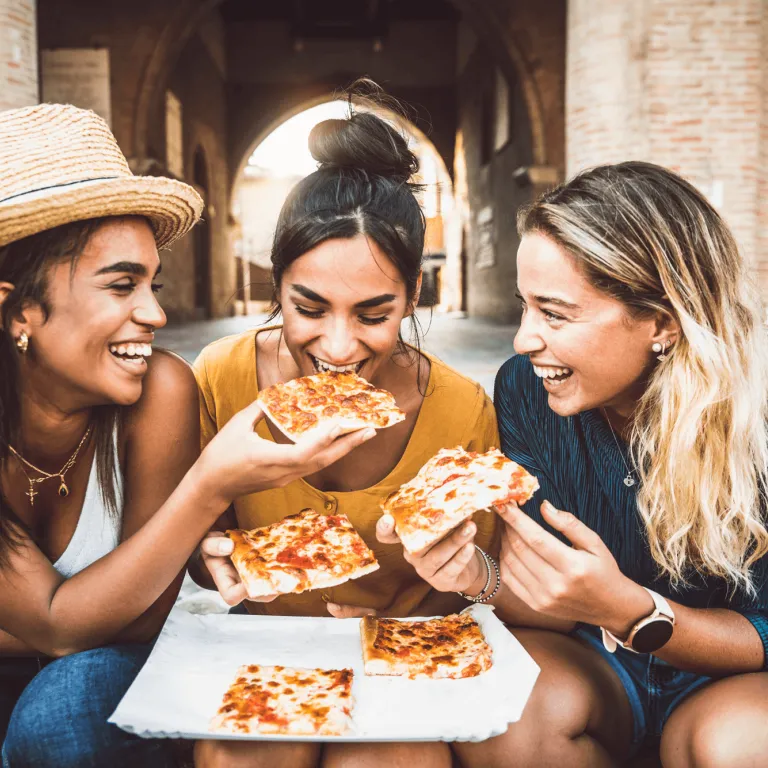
<point x="225" y="547"/>
<point x="468" y="530"/>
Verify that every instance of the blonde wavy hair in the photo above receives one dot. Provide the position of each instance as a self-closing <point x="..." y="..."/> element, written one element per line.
<point x="699" y="436"/>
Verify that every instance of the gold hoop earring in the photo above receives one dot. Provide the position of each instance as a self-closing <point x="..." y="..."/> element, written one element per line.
<point x="22" y="343"/>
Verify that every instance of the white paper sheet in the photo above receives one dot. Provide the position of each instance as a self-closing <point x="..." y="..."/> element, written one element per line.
<point x="195" y="659"/>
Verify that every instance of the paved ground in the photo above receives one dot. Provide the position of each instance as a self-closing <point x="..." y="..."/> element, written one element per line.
<point x="474" y="347"/>
<point x="477" y="348"/>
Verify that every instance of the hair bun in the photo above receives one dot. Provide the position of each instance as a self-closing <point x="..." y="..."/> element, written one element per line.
<point x="365" y="142"/>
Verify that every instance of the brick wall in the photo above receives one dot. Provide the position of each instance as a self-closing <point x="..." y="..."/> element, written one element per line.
<point x="18" y="54"/>
<point x="680" y="83"/>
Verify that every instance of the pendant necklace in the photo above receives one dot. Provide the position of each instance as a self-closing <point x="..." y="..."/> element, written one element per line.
<point x="63" y="487"/>
<point x="629" y="480"/>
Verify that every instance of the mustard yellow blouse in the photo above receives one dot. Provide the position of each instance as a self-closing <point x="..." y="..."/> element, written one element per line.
<point x="456" y="411"/>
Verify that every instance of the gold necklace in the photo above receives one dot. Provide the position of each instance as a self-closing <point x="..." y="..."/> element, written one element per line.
<point x="63" y="488"/>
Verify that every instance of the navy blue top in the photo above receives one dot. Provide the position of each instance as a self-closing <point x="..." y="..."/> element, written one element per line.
<point x="581" y="469"/>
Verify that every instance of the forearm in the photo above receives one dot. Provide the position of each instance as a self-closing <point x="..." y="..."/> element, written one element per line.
<point x="709" y="641"/>
<point x="148" y="625"/>
<point x="90" y="608"/>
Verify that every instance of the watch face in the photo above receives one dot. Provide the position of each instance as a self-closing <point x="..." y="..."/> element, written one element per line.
<point x="652" y="636"/>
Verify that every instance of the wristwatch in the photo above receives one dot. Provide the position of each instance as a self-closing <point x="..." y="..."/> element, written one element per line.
<point x="650" y="633"/>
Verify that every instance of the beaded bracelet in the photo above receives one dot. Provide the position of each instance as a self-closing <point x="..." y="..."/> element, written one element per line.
<point x="495" y="565"/>
<point x="482" y="596"/>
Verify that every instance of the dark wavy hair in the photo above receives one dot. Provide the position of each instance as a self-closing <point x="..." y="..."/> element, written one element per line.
<point x="26" y="265"/>
<point x="361" y="187"/>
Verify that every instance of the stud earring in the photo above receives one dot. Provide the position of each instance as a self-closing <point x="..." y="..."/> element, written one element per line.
<point x="662" y="348"/>
<point x="22" y="343"/>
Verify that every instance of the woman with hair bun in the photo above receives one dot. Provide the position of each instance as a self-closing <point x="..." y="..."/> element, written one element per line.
<point x="639" y="398"/>
<point x="346" y="271"/>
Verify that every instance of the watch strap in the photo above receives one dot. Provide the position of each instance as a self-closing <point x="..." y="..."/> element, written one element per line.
<point x="661" y="608"/>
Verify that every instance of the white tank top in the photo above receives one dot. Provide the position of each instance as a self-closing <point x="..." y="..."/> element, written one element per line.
<point x="98" y="531"/>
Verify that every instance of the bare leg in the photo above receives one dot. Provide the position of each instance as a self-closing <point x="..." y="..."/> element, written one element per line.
<point x="391" y="755"/>
<point x="252" y="754"/>
<point x="723" y="725"/>
<point x="578" y="713"/>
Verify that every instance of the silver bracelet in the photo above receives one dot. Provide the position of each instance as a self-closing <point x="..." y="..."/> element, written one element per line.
<point x="496" y="588"/>
<point x="489" y="576"/>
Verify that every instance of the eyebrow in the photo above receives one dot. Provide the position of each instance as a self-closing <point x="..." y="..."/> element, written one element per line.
<point x="131" y="267"/>
<point x="376" y="301"/>
<point x="549" y="300"/>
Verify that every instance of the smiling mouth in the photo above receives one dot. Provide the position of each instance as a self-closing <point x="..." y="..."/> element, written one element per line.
<point x="551" y="375"/>
<point x="322" y="367"/>
<point x="131" y="355"/>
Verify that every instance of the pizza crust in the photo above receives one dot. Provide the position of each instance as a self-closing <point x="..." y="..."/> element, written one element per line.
<point x="449" y="489"/>
<point x="452" y="647"/>
<point x="305" y="551"/>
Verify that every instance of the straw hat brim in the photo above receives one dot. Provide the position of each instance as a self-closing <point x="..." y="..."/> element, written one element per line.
<point x="171" y="207"/>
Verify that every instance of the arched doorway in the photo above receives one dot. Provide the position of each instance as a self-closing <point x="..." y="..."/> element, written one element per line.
<point x="275" y="162"/>
<point x="202" y="240"/>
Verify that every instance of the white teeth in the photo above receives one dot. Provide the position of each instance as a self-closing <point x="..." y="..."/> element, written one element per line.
<point x="131" y="350"/>
<point x="550" y="373"/>
<point x="322" y="366"/>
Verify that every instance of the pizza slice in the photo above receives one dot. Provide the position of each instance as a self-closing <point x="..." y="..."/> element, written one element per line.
<point x="451" y="487"/>
<point x="305" y="551"/>
<point x="286" y="701"/>
<point x="300" y="406"/>
<point x="451" y="647"/>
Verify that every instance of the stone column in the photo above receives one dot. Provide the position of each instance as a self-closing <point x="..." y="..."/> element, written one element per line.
<point x="18" y="54"/>
<point x="679" y="83"/>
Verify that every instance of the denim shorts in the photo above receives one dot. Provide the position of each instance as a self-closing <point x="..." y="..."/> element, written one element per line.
<point x="654" y="688"/>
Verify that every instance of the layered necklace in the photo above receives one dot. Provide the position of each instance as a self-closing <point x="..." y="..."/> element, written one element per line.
<point x="629" y="480"/>
<point x="63" y="487"/>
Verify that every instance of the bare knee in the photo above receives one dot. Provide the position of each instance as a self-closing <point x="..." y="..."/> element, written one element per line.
<point x="251" y="754"/>
<point x="720" y="726"/>
<point x="722" y="742"/>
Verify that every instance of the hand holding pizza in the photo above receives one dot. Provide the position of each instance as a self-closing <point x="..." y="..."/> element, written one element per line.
<point x="238" y="461"/>
<point x="577" y="583"/>
<point x="215" y="549"/>
<point x="450" y="565"/>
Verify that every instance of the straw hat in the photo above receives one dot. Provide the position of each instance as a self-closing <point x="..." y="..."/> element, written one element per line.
<point x="60" y="164"/>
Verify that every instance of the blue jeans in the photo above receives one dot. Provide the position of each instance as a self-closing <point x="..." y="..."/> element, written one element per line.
<point x="654" y="687"/>
<point x="59" y="718"/>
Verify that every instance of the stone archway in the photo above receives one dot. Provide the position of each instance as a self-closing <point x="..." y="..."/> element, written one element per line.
<point x="532" y="51"/>
<point x="262" y="190"/>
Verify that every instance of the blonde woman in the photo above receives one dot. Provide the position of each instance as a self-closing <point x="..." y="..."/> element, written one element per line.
<point x="638" y="398"/>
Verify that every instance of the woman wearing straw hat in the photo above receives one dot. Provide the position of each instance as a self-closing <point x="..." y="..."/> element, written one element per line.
<point x="102" y="494"/>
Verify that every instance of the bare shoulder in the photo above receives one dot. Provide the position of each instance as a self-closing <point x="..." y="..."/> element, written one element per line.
<point x="169" y="393"/>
